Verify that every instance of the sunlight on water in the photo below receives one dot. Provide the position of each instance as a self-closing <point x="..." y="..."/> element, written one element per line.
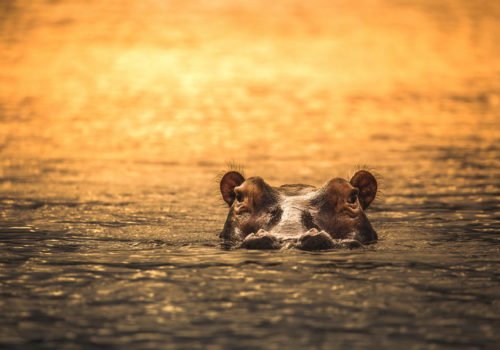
<point x="138" y="81"/>
<point x="116" y="118"/>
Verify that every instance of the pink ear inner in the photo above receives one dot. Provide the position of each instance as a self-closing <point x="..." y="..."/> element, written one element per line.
<point x="227" y="184"/>
<point x="367" y="186"/>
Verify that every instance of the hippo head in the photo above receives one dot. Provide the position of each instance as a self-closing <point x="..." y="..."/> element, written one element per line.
<point x="302" y="216"/>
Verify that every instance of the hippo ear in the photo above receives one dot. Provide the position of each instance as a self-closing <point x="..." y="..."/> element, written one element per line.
<point x="227" y="184"/>
<point x="367" y="186"/>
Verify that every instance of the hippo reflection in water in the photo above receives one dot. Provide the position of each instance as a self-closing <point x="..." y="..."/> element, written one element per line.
<point x="302" y="216"/>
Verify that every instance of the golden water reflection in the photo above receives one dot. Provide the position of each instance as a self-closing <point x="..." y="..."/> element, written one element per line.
<point x="214" y="81"/>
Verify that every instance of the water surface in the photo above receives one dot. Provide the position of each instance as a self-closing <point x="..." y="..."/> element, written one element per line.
<point x="116" y="119"/>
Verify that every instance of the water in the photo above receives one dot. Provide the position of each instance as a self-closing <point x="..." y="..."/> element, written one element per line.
<point x="116" y="119"/>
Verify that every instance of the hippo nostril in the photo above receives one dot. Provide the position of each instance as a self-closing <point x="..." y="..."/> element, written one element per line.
<point x="261" y="240"/>
<point x="315" y="240"/>
<point x="312" y="231"/>
<point x="261" y="232"/>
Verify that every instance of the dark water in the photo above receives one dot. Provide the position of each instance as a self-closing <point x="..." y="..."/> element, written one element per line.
<point x="117" y="117"/>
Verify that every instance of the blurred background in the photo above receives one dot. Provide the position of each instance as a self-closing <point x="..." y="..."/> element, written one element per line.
<point x="116" y="117"/>
<point x="212" y="81"/>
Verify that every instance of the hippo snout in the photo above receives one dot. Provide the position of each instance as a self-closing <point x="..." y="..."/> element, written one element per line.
<point x="261" y="240"/>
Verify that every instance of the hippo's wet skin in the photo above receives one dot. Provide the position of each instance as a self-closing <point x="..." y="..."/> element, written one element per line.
<point x="302" y="216"/>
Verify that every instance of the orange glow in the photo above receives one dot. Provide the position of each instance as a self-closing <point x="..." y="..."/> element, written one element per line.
<point x="197" y="81"/>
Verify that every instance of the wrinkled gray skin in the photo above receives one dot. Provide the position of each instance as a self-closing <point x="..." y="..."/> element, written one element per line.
<point x="302" y="216"/>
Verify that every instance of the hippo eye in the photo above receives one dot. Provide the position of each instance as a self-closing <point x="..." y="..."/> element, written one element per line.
<point x="238" y="196"/>
<point x="353" y="197"/>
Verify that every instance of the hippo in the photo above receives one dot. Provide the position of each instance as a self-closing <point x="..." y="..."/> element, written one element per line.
<point x="301" y="216"/>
